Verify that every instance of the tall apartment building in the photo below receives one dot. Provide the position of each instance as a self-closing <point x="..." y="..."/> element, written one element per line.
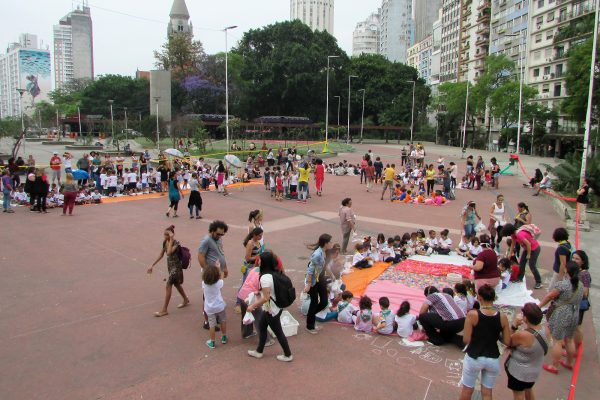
<point x="556" y="26"/>
<point x="426" y="13"/>
<point x="450" y="47"/>
<point x="397" y="29"/>
<point x="74" y="47"/>
<point x="26" y="67"/>
<point x="179" y="19"/>
<point x="365" y="39"/>
<point x="509" y="30"/>
<point x="318" y="14"/>
<point x="474" y="39"/>
<point x="419" y="57"/>
<point x="436" y="53"/>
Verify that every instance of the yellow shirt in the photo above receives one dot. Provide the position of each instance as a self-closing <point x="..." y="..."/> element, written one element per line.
<point x="304" y="174"/>
<point x="390" y="174"/>
<point x="430" y="174"/>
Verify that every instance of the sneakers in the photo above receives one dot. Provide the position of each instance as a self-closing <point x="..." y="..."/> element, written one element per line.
<point x="210" y="344"/>
<point x="250" y="335"/>
<point x="313" y="331"/>
<point x="269" y="343"/>
<point x="284" y="358"/>
<point x="224" y="339"/>
<point x="538" y="286"/>
<point x="255" y="354"/>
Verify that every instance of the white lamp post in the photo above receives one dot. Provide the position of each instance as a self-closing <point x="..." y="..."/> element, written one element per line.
<point x="327" y="104"/>
<point x="126" y="138"/>
<point x="227" y="86"/>
<point x="112" y="121"/>
<point x="349" y="92"/>
<point x="362" y="118"/>
<point x="79" y="120"/>
<point x="156" y="99"/>
<point x="21" y="91"/>
<point x="338" y="119"/>
<point x="464" y="136"/>
<point x="412" y="114"/>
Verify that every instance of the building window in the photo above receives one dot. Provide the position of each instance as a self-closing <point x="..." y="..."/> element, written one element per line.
<point x="547" y="70"/>
<point x="545" y="88"/>
<point x="538" y="38"/>
<point x="540" y="3"/>
<point x="536" y="72"/>
<point x="557" y="90"/>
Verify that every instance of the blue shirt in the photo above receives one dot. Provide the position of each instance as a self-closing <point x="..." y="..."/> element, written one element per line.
<point x="316" y="265"/>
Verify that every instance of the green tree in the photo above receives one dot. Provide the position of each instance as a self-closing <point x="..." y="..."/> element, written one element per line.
<point x="46" y="111"/>
<point x="181" y="54"/>
<point x="577" y="77"/>
<point x="200" y="137"/>
<point x="148" y="128"/>
<point x="124" y="90"/>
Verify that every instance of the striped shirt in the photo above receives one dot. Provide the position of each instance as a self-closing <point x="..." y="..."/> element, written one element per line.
<point x="445" y="306"/>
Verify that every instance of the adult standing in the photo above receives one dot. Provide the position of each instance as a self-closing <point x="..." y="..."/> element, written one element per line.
<point x="523" y="217"/>
<point x="175" y="195"/>
<point x="68" y="163"/>
<point x="171" y="248"/>
<point x="270" y="158"/>
<point x="13" y="168"/>
<point x="70" y="190"/>
<point x="253" y="247"/>
<point x="319" y="176"/>
<point x="55" y="165"/>
<point x="7" y="188"/>
<point x="83" y="164"/>
<point x="379" y="169"/>
<point x="583" y="199"/>
<point x="527" y="350"/>
<point x="566" y="297"/>
<point x="210" y="251"/>
<point x="530" y="251"/>
<point x="40" y="189"/>
<point x="562" y="255"/>
<point x="389" y="176"/>
<point x="479" y="171"/>
<point x="315" y="286"/>
<point x="304" y="176"/>
<point x="483" y="329"/>
<point x="404" y="156"/>
<point x="580" y="258"/>
<point x="271" y="316"/>
<point x="347" y="222"/>
<point x="195" y="199"/>
<point x="469" y="218"/>
<point x="370" y="175"/>
<point x="497" y="221"/>
<point x="485" y="266"/>
<point x="255" y="220"/>
<point x="363" y="169"/>
<point x="430" y="178"/>
<point x="441" y="317"/>
<point x="222" y="178"/>
<point x="453" y="169"/>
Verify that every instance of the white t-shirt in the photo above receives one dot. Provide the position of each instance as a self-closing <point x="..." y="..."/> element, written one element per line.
<point x="266" y="281"/>
<point x="462" y="302"/>
<point x="347" y="309"/>
<point x="157" y="176"/>
<point x="475" y="250"/>
<point x="388" y="317"/>
<point x="132" y="177"/>
<point x="405" y="324"/>
<point x="445" y="243"/>
<point x="213" y="301"/>
<point x="294" y="180"/>
<point x="67" y="163"/>
<point x="358" y="257"/>
<point x="144" y="177"/>
<point x="432" y="242"/>
<point x="463" y="246"/>
<point x="112" y="181"/>
<point x="103" y="180"/>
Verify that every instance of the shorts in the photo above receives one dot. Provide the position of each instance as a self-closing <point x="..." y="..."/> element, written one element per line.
<point x="488" y="367"/>
<point x="387" y="184"/>
<point x="56" y="174"/>
<point x="517" y="385"/>
<point x="214" y="319"/>
<point x="144" y="185"/>
<point x="131" y="185"/>
<point x="112" y="189"/>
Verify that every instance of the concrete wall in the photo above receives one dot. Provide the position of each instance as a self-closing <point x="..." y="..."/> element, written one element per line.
<point x="160" y="86"/>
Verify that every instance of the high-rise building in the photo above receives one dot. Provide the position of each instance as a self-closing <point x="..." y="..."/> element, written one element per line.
<point x="318" y="14"/>
<point x="74" y="47"/>
<point x="397" y="29"/>
<point x="179" y="19"/>
<point x="509" y="30"/>
<point x="426" y="13"/>
<point x="474" y="39"/>
<point x="419" y="57"/>
<point x="24" y="67"/>
<point x="365" y="39"/>
<point x="450" y="40"/>
<point x="436" y="53"/>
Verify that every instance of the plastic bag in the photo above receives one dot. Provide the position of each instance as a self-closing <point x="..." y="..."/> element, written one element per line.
<point x="248" y="318"/>
<point x="480" y="227"/>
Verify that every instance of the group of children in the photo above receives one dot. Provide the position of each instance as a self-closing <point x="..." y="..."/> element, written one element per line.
<point x="281" y="184"/>
<point x="55" y="198"/>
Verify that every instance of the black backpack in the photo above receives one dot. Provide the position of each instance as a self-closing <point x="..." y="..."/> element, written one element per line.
<point x="284" y="290"/>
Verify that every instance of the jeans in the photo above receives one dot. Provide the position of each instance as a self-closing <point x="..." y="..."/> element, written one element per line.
<point x="346" y="239"/>
<point x="532" y="264"/>
<point x="469" y="229"/>
<point x="363" y="174"/>
<point x="40" y="202"/>
<point x="318" y="301"/>
<point x="432" y="322"/>
<point x="6" y="199"/>
<point x="302" y="190"/>
<point x="489" y="368"/>
<point x="268" y="320"/>
<point x="430" y="186"/>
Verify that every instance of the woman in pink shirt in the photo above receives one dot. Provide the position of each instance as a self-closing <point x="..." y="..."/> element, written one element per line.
<point x="319" y="176"/>
<point x="530" y="250"/>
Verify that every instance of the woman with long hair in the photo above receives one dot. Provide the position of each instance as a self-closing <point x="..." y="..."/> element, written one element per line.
<point x="195" y="199"/>
<point x="497" y="221"/>
<point x="531" y="251"/>
<point x="70" y="190"/>
<point x="580" y="258"/>
<point x="315" y="286"/>
<point x="170" y="247"/>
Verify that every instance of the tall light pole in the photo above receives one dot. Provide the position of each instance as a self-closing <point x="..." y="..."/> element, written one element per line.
<point x="349" y="92"/>
<point x="588" y="117"/>
<point x="227" y="86"/>
<point x="338" y="119"/>
<point x="79" y="120"/>
<point x="327" y="107"/>
<point x="362" y="117"/>
<point x="412" y="113"/>
<point x="112" y="121"/>
<point x="464" y="136"/>
<point x="21" y="91"/>
<point x="126" y="138"/>
<point x="156" y="99"/>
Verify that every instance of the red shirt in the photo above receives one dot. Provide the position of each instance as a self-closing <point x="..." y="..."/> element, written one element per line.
<point x="490" y="265"/>
<point x="55" y="163"/>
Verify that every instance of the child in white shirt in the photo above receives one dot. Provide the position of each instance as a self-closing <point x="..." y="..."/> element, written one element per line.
<point x="385" y="319"/>
<point x="214" y="305"/>
<point x="145" y="182"/>
<point x="444" y="244"/>
<point x="463" y="245"/>
<point x="460" y="297"/>
<point x="346" y="309"/>
<point x="405" y="320"/>
<point x="362" y="257"/>
<point x="474" y="249"/>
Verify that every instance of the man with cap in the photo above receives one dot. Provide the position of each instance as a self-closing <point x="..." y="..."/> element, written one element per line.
<point x="55" y="165"/>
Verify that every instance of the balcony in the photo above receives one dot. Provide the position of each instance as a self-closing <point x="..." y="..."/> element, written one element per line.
<point x="483" y="5"/>
<point x="482" y="40"/>
<point x="480" y="66"/>
<point x="480" y="55"/>
<point x="481" y="28"/>
<point x="483" y="17"/>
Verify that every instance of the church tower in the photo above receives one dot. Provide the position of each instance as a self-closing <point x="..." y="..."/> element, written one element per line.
<point x="180" y="19"/>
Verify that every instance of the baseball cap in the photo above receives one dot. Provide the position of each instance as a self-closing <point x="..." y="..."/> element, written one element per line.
<point x="55" y="153"/>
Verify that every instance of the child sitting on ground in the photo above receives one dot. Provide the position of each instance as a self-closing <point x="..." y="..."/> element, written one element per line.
<point x="460" y="297"/>
<point x="362" y="257"/>
<point x="444" y="245"/>
<point x="345" y="309"/>
<point x="385" y="320"/>
<point x="397" y="193"/>
<point x="387" y="253"/>
<point x="214" y="305"/>
<point x="474" y="249"/>
<point x="471" y="300"/>
<point x="21" y="197"/>
<point x="405" y="321"/>
<point x="463" y="245"/>
<point x="96" y="197"/>
<point x="363" y="320"/>
<point x="505" y="267"/>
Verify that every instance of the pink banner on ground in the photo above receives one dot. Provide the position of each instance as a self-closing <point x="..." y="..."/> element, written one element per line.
<point x="397" y="293"/>
<point x="419" y="267"/>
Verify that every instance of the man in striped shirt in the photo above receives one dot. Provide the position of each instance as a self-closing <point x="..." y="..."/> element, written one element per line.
<point x="441" y="318"/>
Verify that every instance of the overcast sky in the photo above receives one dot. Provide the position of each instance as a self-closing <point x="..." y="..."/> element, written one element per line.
<point x="124" y="43"/>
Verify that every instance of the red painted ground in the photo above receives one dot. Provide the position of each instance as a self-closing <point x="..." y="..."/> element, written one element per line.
<point x="76" y="310"/>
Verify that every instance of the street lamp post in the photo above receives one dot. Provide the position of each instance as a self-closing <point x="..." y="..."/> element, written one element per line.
<point x="79" y="120"/>
<point x="327" y="107"/>
<point x="464" y="135"/>
<point x="349" y="92"/>
<point x="227" y="86"/>
<point x="21" y="91"/>
<point x="412" y="113"/>
<point x="126" y="138"/>
<point x="112" y="121"/>
<point x="362" y="118"/>
<point x="156" y="99"/>
<point x="338" y="119"/>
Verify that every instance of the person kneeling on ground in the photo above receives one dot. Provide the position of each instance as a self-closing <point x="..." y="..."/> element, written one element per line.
<point x="441" y="318"/>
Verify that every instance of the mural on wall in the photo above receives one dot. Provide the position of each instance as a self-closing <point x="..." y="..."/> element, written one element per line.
<point x="35" y="75"/>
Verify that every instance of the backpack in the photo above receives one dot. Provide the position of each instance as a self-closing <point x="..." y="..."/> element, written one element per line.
<point x="571" y="249"/>
<point x="184" y="257"/>
<point x="284" y="290"/>
<point x="532" y="229"/>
